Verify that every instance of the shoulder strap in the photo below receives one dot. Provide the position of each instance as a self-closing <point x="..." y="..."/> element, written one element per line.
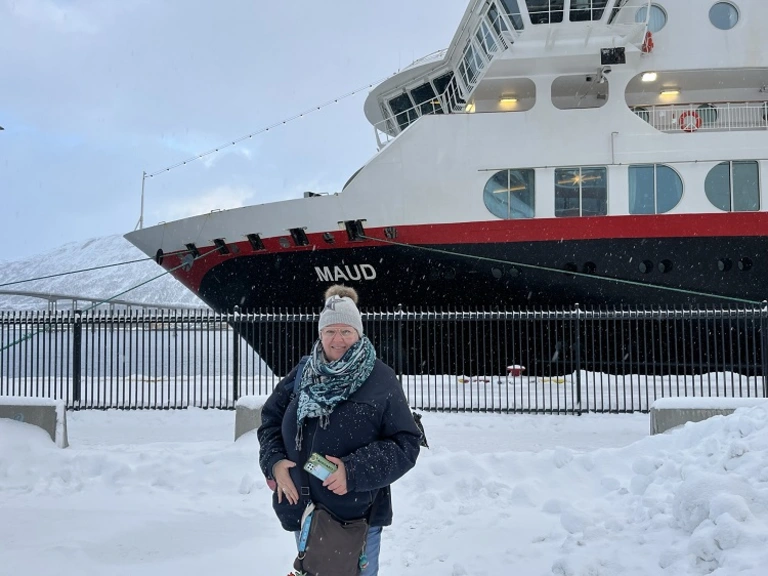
<point x="299" y="373"/>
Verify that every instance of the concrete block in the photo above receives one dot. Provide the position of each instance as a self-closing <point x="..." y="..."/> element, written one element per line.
<point x="669" y="413"/>
<point x="47" y="413"/>
<point x="248" y="414"/>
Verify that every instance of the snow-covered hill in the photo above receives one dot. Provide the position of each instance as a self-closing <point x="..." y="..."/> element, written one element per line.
<point x="98" y="284"/>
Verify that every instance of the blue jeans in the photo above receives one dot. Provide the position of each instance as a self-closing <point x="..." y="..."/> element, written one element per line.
<point x="372" y="549"/>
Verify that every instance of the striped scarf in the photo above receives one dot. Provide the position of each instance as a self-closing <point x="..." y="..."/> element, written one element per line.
<point x="324" y="385"/>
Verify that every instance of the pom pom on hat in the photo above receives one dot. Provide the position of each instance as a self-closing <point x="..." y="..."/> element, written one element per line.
<point x="341" y="308"/>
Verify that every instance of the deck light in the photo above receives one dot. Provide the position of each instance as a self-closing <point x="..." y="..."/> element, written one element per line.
<point x="470" y="107"/>
<point x="507" y="99"/>
<point x="650" y="77"/>
<point x="670" y="92"/>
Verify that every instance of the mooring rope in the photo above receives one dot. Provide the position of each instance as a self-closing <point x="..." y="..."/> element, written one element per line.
<point x="115" y="296"/>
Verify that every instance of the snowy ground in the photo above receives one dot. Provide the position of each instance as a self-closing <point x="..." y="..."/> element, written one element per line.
<point x="161" y="493"/>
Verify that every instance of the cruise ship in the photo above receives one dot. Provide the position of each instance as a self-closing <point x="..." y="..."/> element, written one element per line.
<point x="605" y="152"/>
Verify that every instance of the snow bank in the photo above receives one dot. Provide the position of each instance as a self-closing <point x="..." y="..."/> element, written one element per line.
<point x="496" y="494"/>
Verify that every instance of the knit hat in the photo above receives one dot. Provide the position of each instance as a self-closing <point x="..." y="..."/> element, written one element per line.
<point x="341" y="308"/>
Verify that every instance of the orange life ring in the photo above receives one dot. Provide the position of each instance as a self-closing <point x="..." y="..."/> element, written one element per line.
<point x="690" y="121"/>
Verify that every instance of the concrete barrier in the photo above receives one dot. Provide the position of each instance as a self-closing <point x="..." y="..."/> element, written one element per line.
<point x="48" y="414"/>
<point x="248" y="414"/>
<point x="669" y="413"/>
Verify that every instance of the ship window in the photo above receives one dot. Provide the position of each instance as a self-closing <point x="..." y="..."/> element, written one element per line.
<point x="545" y="11"/>
<point x="496" y="20"/>
<point x="581" y="192"/>
<point x="441" y="82"/>
<point x="426" y="100"/>
<point x="734" y="186"/>
<point x="510" y="194"/>
<point x="403" y="110"/>
<point x="653" y="189"/>
<point x="486" y="40"/>
<point x="513" y="11"/>
<point x="587" y="10"/>
<point x="470" y="65"/>
<point x="657" y="18"/>
<point x="724" y="15"/>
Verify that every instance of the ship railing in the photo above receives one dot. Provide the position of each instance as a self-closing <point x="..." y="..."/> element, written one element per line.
<point x="706" y="117"/>
<point x="450" y="101"/>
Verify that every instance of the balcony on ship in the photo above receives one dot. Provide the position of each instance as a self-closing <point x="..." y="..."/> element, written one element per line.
<point x="714" y="100"/>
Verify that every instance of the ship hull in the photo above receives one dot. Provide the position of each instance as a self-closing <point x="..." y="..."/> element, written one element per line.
<point x="608" y="272"/>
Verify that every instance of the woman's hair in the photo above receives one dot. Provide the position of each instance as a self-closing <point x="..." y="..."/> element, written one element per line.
<point x="342" y="292"/>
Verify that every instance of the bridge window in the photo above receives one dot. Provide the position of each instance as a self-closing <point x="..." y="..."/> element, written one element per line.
<point x="403" y="110"/>
<point x="657" y="18"/>
<point x="426" y="100"/>
<point x="510" y="194"/>
<point x="470" y="65"/>
<point x="653" y="189"/>
<point x="724" y="15"/>
<point x="545" y="11"/>
<point x="587" y="10"/>
<point x="513" y="11"/>
<point x="581" y="192"/>
<point x="734" y="186"/>
<point x="486" y="39"/>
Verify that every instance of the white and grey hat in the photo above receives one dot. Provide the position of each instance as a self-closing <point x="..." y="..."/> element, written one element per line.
<point x="341" y="308"/>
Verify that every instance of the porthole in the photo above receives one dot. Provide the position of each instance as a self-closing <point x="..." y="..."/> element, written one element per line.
<point x="745" y="264"/>
<point x="657" y="18"/>
<point x="724" y="15"/>
<point x="646" y="266"/>
<point x="708" y="114"/>
<point x="284" y="242"/>
<point x="724" y="264"/>
<point x="589" y="268"/>
<point x="497" y="273"/>
<point x="665" y="266"/>
<point x="514" y="272"/>
<point x="570" y="267"/>
<point x="449" y="274"/>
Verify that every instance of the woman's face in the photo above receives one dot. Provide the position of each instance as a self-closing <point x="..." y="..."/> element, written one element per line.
<point x="337" y="339"/>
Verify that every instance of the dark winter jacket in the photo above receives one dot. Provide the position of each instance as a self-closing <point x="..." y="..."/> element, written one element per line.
<point x="373" y="433"/>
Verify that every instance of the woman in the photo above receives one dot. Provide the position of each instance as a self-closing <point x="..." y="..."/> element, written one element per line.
<point x="350" y="408"/>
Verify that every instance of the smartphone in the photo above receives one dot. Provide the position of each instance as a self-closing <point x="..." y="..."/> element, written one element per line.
<point x="319" y="467"/>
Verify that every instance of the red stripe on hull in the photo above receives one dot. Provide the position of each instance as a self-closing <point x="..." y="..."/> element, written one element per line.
<point x="746" y="224"/>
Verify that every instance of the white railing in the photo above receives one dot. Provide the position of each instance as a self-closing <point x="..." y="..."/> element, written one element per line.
<point x="716" y="117"/>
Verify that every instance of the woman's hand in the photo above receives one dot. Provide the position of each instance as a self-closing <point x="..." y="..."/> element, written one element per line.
<point x="337" y="482"/>
<point x="285" y="486"/>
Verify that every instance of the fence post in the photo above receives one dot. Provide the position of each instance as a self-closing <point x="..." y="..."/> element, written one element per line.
<point x="764" y="345"/>
<point x="236" y="356"/>
<point x="77" y="347"/>
<point x="577" y="354"/>
<point x="399" y="343"/>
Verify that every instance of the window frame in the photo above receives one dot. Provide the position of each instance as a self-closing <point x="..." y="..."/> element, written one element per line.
<point x="731" y="190"/>
<point x="724" y="3"/>
<point x="655" y="167"/>
<point x="529" y="177"/>
<point x="581" y="170"/>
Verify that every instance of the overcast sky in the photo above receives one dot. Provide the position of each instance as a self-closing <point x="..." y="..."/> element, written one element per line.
<point x="93" y="92"/>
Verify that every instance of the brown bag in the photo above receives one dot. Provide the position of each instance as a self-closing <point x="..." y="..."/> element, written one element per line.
<point x="333" y="546"/>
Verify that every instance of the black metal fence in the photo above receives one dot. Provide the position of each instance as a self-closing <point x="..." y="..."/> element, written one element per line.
<point x="549" y="361"/>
